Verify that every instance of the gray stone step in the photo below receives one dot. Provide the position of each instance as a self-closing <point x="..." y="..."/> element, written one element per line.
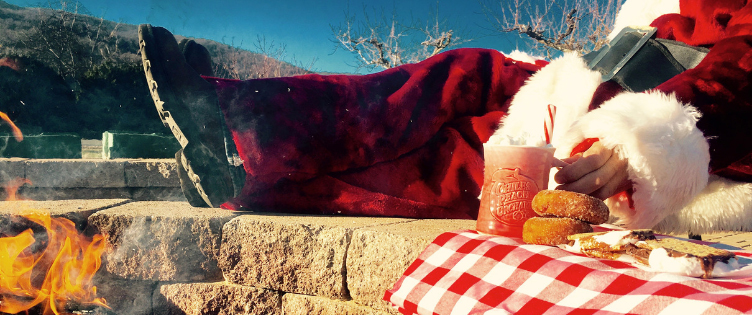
<point x="56" y="179"/>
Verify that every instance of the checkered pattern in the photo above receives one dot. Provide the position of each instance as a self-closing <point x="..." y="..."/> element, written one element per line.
<point x="465" y="272"/>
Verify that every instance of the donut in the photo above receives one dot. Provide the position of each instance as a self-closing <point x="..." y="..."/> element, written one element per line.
<point x="552" y="231"/>
<point x="567" y="204"/>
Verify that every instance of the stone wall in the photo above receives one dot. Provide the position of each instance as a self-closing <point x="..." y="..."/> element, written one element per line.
<point x="212" y="261"/>
<point x="170" y="258"/>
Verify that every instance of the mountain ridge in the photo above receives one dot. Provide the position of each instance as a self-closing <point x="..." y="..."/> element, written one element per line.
<point x="120" y="40"/>
<point x="65" y="72"/>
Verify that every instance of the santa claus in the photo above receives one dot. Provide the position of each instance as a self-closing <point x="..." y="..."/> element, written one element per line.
<point x="682" y="142"/>
<point x="408" y="141"/>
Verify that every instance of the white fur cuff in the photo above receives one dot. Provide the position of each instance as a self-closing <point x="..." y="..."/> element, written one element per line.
<point x="724" y="205"/>
<point x="667" y="155"/>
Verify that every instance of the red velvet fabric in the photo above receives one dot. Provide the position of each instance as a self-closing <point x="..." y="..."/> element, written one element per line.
<point x="720" y="86"/>
<point x="403" y="142"/>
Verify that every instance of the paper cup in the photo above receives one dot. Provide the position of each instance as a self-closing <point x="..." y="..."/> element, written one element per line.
<point x="512" y="177"/>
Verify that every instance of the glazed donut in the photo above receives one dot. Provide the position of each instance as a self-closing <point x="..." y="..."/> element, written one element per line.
<point x="567" y="204"/>
<point x="552" y="231"/>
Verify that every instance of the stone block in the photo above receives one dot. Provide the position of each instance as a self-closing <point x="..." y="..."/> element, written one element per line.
<point x="216" y="298"/>
<point x="77" y="211"/>
<point x="151" y="173"/>
<point x="378" y="256"/>
<point x="137" y="193"/>
<point x="58" y="193"/>
<point x="302" y="254"/>
<point x="163" y="241"/>
<point x="76" y="173"/>
<point x="12" y="168"/>
<point x="126" y="297"/>
<point x="157" y="193"/>
<point x="296" y="304"/>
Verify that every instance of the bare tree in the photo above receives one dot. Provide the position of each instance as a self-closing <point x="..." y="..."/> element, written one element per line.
<point x="272" y="64"/>
<point x="69" y="40"/>
<point x="389" y="41"/>
<point x="555" y="25"/>
<point x="266" y="61"/>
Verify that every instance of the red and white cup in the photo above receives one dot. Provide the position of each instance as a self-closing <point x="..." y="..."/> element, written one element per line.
<point x="512" y="177"/>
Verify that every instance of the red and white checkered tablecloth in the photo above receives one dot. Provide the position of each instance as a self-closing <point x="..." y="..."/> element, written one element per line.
<point x="465" y="272"/>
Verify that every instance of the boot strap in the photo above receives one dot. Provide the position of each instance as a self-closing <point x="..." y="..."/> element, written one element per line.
<point x="637" y="61"/>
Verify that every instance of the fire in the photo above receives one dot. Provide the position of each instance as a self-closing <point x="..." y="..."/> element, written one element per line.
<point x="68" y="264"/>
<point x="16" y="132"/>
<point x="48" y="269"/>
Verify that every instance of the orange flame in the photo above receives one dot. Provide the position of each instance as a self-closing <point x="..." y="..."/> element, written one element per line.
<point x="11" y="188"/>
<point x="70" y="259"/>
<point x="16" y="132"/>
<point x="59" y="273"/>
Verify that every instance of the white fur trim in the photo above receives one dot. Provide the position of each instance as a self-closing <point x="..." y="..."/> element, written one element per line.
<point x="523" y="56"/>
<point x="724" y="205"/>
<point x="667" y="154"/>
<point x="642" y="13"/>
<point x="566" y="83"/>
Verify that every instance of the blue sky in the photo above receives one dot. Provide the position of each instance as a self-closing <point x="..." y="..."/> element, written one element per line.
<point x="303" y="26"/>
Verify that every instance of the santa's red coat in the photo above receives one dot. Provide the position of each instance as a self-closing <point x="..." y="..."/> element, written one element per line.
<point x="408" y="141"/>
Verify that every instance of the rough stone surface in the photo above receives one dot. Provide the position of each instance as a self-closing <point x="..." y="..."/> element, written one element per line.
<point x="291" y="253"/>
<point x="11" y="168"/>
<point x="75" y="173"/>
<point x="296" y="304"/>
<point x="77" y="211"/>
<point x="151" y="173"/>
<point x="216" y="298"/>
<point x="378" y="256"/>
<point x="137" y="193"/>
<point x="126" y="297"/>
<point x="163" y="241"/>
<point x="157" y="193"/>
<point x="57" y="193"/>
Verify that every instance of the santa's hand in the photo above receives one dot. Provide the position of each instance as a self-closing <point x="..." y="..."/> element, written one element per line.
<point x="598" y="172"/>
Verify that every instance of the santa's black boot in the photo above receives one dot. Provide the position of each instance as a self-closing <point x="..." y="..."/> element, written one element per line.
<point x="187" y="104"/>
<point x="198" y="57"/>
